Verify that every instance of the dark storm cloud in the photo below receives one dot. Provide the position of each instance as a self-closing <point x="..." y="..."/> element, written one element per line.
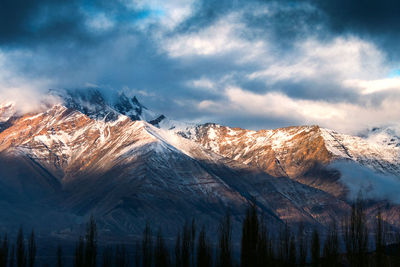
<point x="377" y="20"/>
<point x="127" y="45"/>
<point x="24" y="21"/>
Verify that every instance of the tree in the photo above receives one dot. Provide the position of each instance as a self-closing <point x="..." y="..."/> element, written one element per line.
<point x="186" y="245"/>
<point x="178" y="254"/>
<point x="147" y="246"/>
<point x="12" y="256"/>
<point x="303" y="245"/>
<point x="292" y="252"/>
<point x="121" y="256"/>
<point x="138" y="259"/>
<point x="250" y="237"/>
<point x="91" y="243"/>
<point x="356" y="234"/>
<point x="161" y="255"/>
<point x="331" y="247"/>
<point x="60" y="260"/>
<point x="264" y="246"/>
<point x="4" y="251"/>
<point x="193" y="241"/>
<point x="224" y="252"/>
<point x="284" y="243"/>
<point x="107" y="257"/>
<point x="79" y="258"/>
<point x="31" y="249"/>
<point x="315" y="249"/>
<point x="204" y="257"/>
<point x="20" y="249"/>
<point x="380" y="240"/>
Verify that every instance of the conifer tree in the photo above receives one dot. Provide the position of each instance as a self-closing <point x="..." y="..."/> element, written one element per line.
<point x="224" y="252"/>
<point x="107" y="257"/>
<point x="315" y="249"/>
<point x="161" y="255"/>
<point x="138" y="259"/>
<point x="4" y="251"/>
<point x="331" y="247"/>
<point x="264" y="250"/>
<point x="303" y="245"/>
<point x="121" y="256"/>
<point x="178" y="254"/>
<point x="192" y="242"/>
<point x="250" y="237"/>
<point x="284" y="243"/>
<point x="79" y="258"/>
<point x="91" y="243"/>
<point x="186" y="245"/>
<point x="292" y="252"/>
<point x="31" y="249"/>
<point x="12" y="256"/>
<point x="147" y="246"/>
<point x="20" y="249"/>
<point x="204" y="256"/>
<point x="60" y="260"/>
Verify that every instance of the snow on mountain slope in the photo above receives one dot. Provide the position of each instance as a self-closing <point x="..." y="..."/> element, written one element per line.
<point x="374" y="152"/>
<point x="117" y="159"/>
<point x="125" y="171"/>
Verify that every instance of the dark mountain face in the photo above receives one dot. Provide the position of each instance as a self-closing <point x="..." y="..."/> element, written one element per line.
<point x="89" y="155"/>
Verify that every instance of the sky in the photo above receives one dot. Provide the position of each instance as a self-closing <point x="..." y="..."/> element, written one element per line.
<point x="251" y="64"/>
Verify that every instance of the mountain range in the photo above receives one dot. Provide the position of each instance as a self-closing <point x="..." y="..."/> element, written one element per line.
<point x="114" y="158"/>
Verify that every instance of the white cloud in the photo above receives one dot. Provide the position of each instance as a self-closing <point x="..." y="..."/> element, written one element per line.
<point x="341" y="116"/>
<point x="374" y="86"/>
<point x="100" y="22"/>
<point x="340" y="58"/>
<point x="221" y="38"/>
<point x="372" y="185"/>
<point x="26" y="94"/>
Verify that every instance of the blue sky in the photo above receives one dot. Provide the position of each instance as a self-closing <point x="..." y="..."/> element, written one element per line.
<point x="252" y="64"/>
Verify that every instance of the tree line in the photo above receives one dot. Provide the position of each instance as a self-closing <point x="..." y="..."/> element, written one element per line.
<point x="344" y="244"/>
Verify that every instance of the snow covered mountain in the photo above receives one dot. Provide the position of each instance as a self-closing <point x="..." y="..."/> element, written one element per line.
<point x="116" y="159"/>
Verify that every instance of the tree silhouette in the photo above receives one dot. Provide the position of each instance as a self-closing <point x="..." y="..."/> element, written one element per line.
<point x="315" y="249"/>
<point x="60" y="260"/>
<point x="204" y="256"/>
<point x="107" y="257"/>
<point x="4" y="251"/>
<point x="331" y="247"/>
<point x="12" y="256"/>
<point x="380" y="240"/>
<point x="31" y="249"/>
<point x="79" y="259"/>
<point x="20" y="249"/>
<point x="250" y="237"/>
<point x="303" y="245"/>
<point x="178" y="254"/>
<point x="121" y="256"/>
<point x="147" y="246"/>
<point x="224" y="250"/>
<point x="356" y="234"/>
<point x="91" y="243"/>
<point x="161" y="255"/>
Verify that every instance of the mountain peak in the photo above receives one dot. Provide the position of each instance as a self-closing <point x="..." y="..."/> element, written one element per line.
<point x="93" y="103"/>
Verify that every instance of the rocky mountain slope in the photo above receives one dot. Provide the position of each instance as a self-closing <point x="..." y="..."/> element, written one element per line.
<point x="127" y="165"/>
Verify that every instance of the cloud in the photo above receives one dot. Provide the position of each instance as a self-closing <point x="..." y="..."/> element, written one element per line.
<point x="342" y="116"/>
<point x="207" y="58"/>
<point x="373" y="185"/>
<point x="374" y="86"/>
